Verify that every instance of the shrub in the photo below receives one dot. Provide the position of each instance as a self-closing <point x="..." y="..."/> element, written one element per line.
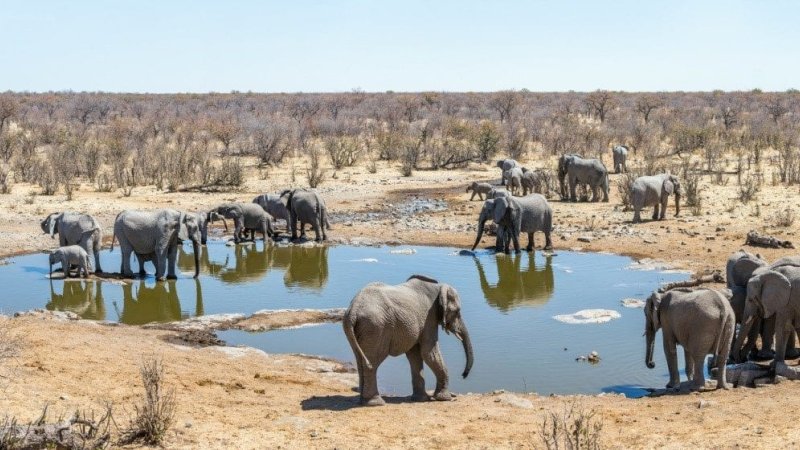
<point x="624" y="188"/>
<point x="156" y="413"/>
<point x="748" y="189"/>
<point x="574" y="428"/>
<point x="315" y="173"/>
<point x="783" y="219"/>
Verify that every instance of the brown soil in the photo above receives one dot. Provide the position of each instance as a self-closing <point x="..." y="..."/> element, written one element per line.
<point x="230" y="397"/>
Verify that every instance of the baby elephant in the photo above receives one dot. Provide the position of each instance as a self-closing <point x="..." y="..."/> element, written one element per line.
<point x="385" y="320"/>
<point x="480" y="189"/>
<point x="70" y="255"/>
<point x="701" y="321"/>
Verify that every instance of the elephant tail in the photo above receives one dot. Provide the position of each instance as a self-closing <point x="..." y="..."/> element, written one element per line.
<point x="350" y="332"/>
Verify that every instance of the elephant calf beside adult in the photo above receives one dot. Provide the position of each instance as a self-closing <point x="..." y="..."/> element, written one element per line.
<point x="246" y="216"/>
<point x="274" y="206"/>
<point x="514" y="215"/>
<point x="577" y="170"/>
<point x="306" y="207"/>
<point x="385" y="320"/>
<point x="157" y="234"/>
<point x="654" y="190"/>
<point x="76" y="229"/>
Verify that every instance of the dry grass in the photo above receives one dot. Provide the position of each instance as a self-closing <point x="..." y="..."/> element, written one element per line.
<point x="573" y="428"/>
<point x="156" y="414"/>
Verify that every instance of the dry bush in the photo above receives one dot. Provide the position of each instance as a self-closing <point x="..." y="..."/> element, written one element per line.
<point x="343" y="151"/>
<point x="575" y="428"/>
<point x="85" y="430"/>
<point x="156" y="413"/>
<point x="783" y="219"/>
<point x="624" y="185"/>
<point x="487" y="139"/>
<point x="315" y="173"/>
<point x="5" y="186"/>
<point x="749" y="189"/>
<point x="691" y="187"/>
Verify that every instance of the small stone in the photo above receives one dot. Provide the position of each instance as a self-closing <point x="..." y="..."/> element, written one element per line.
<point x="704" y="404"/>
<point x="187" y="425"/>
<point x="313" y="434"/>
<point x="498" y="391"/>
<point x="63" y="397"/>
<point x="585" y="239"/>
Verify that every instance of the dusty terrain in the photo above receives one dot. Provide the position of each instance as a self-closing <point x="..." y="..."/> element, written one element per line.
<point x="246" y="399"/>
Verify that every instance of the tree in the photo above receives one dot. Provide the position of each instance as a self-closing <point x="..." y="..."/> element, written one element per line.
<point x="8" y="109"/>
<point x="599" y="103"/>
<point x="505" y="103"/>
<point x="646" y="104"/>
<point x="776" y="108"/>
<point x="487" y="139"/>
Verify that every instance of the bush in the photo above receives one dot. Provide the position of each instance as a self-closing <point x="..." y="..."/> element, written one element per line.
<point x="783" y="219"/>
<point x="624" y="188"/>
<point x="574" y="428"/>
<point x="315" y="174"/>
<point x="5" y="186"/>
<point x="156" y="413"/>
<point x="748" y="189"/>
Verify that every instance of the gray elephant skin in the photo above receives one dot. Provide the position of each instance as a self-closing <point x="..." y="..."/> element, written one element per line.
<point x="513" y="179"/>
<point x="306" y="207"/>
<point x="515" y="215"/>
<point x="76" y="229"/>
<point x="247" y="216"/>
<point x="701" y="321"/>
<point x="505" y="165"/>
<point x="479" y="189"/>
<point x="274" y="206"/>
<point x="391" y="320"/>
<point x="70" y="255"/>
<point x="620" y="156"/>
<point x="654" y="190"/>
<point x="739" y="269"/>
<point x="156" y="232"/>
<point x="591" y="172"/>
<point x="534" y="181"/>
<point x="772" y="291"/>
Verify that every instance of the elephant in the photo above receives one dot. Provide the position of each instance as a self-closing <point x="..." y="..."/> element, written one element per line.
<point x="701" y="321"/>
<point x="563" y="162"/>
<point x="306" y="206"/>
<point x="76" y="229"/>
<point x="772" y="291"/>
<point x="273" y="205"/>
<point x="654" y="190"/>
<point x="738" y="270"/>
<point x="479" y="189"/>
<point x="513" y="179"/>
<point x="84" y="298"/>
<point x="620" y="155"/>
<point x="143" y="304"/>
<point x="246" y="216"/>
<point x="385" y="320"/>
<point x="156" y="232"/>
<point x="535" y="181"/>
<point x="527" y="214"/>
<point x="68" y="256"/>
<point x="516" y="286"/>
<point x="496" y="193"/>
<point x="505" y="165"/>
<point x="577" y="171"/>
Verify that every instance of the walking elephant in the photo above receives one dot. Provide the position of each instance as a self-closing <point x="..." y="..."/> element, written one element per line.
<point x="563" y="188"/>
<point x="76" y="229"/>
<point x="699" y="320"/>
<point x="620" y="155"/>
<point x="590" y="172"/>
<point x="506" y="165"/>
<point x="68" y="256"/>
<point x="306" y="207"/>
<point x="479" y="189"/>
<point x="513" y="179"/>
<point x="514" y="215"/>
<point x="385" y="320"/>
<point x="274" y="205"/>
<point x="246" y="216"/>
<point x="654" y="190"/>
<point x="158" y="233"/>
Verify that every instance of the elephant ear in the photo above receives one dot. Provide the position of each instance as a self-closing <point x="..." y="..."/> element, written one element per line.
<point x="183" y="231"/>
<point x="54" y="219"/>
<point x="773" y="289"/>
<point x="653" y="309"/>
<point x="743" y="270"/>
<point x="676" y="184"/>
<point x="668" y="187"/>
<point x="443" y="303"/>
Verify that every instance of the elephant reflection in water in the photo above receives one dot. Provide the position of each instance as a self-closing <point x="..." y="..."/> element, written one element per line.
<point x="84" y="298"/>
<point x="308" y="267"/>
<point x="157" y="303"/>
<point x="515" y="286"/>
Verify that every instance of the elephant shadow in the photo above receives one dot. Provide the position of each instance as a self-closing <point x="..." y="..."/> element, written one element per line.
<point x="84" y="298"/>
<point x="343" y="402"/>
<point x="143" y="304"/>
<point x="515" y="286"/>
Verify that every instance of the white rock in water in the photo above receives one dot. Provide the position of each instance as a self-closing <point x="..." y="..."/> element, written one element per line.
<point x="633" y="303"/>
<point x="403" y="251"/>
<point x="366" y="260"/>
<point x="588" y="316"/>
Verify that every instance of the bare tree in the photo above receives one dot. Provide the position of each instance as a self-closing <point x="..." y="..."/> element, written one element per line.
<point x="599" y="103"/>
<point x="505" y="103"/>
<point x="8" y="109"/>
<point x="647" y="103"/>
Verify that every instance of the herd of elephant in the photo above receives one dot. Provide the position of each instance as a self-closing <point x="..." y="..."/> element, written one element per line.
<point x="155" y="235"/>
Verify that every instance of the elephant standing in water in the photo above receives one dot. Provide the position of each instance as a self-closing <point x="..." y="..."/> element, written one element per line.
<point x="654" y="190"/>
<point x="385" y="320"/>
<point x="76" y="229"/>
<point x="620" y="154"/>
<point x="306" y="206"/>
<point x="699" y="320"/>
<point x="577" y="170"/>
<point x="516" y="286"/>
<point x="143" y="304"/>
<point x="514" y="215"/>
<point x="84" y="298"/>
<point x="71" y="255"/>
<point x="157" y="233"/>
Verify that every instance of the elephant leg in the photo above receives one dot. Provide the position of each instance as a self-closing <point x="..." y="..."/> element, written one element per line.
<point x="699" y="378"/>
<point x="480" y="196"/>
<point x="433" y="358"/>
<point x="781" y="335"/>
<point x="292" y="224"/>
<point x="86" y="244"/>
<point x="791" y="348"/>
<point x="515" y="239"/>
<point x="655" y="211"/>
<point x="689" y="360"/>
<point x="531" y="243"/>
<point x="671" y="353"/>
<point x="472" y="197"/>
<point x="369" y="392"/>
<point x="767" y="338"/>
<point x="172" y="257"/>
<point x="548" y="244"/>
<point x="417" y="381"/>
<point x="321" y="227"/>
<point x="65" y="266"/>
<point x="572" y="185"/>
<point x="160" y="262"/>
<point x="302" y="229"/>
<point x="663" y="210"/>
<point x="636" y="216"/>
<point x="125" y="266"/>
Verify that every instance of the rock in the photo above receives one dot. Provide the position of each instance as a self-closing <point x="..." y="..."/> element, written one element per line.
<point x="498" y="391"/>
<point x="466" y="253"/>
<point x="633" y="303"/>
<point x="704" y="404"/>
<point x="585" y="316"/>
<point x="403" y="251"/>
<point x="515" y="401"/>
<point x="649" y="241"/>
<point x="586" y="239"/>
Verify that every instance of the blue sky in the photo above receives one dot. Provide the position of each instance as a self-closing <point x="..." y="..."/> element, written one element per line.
<point x="314" y="46"/>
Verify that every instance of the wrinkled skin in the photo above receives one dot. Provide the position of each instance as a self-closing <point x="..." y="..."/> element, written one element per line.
<point x="70" y="255"/>
<point x="76" y="229"/>
<point x="479" y="189"/>
<point x="591" y="172"/>
<point x="247" y="216"/>
<point x="159" y="233"/>
<point x="306" y="207"/>
<point x="738" y="270"/>
<point x="391" y="320"/>
<point x="274" y="205"/>
<point x="699" y="320"/>
<point x="515" y="215"/>
<point x="505" y="165"/>
<point x="620" y="156"/>
<point x="513" y="179"/>
<point x="655" y="190"/>
<point x="534" y="181"/>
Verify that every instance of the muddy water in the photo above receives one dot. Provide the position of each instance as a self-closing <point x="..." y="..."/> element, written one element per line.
<point x="508" y="304"/>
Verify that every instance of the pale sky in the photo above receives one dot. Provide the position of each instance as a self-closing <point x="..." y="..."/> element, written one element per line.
<point x="412" y="45"/>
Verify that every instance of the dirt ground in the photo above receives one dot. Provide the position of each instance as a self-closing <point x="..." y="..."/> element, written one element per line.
<point x="244" y="398"/>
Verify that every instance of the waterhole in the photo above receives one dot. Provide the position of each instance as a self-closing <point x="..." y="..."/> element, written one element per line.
<point x="508" y="304"/>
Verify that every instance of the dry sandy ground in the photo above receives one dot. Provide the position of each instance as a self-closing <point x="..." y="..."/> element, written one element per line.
<point x="246" y="399"/>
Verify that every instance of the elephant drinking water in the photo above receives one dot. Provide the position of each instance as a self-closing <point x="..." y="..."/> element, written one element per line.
<point x="514" y="215"/>
<point x="76" y="229"/>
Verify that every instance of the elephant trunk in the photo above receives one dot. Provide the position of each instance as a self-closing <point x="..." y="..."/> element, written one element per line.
<point x="481" y="223"/>
<point x="738" y="344"/>
<point x="196" y="249"/>
<point x="224" y="222"/>
<point x="463" y="334"/>
<point x="677" y="204"/>
<point x="651" y="338"/>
